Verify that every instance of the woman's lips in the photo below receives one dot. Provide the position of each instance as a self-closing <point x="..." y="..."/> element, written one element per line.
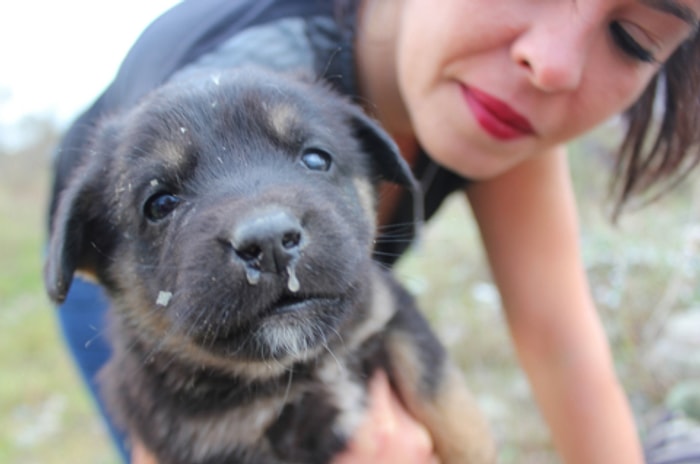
<point x="495" y="116"/>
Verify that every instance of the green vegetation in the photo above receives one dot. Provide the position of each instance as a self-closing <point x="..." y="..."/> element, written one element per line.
<point x="45" y="415"/>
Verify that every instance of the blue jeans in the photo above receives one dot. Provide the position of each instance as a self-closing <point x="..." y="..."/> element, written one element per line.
<point x="82" y="318"/>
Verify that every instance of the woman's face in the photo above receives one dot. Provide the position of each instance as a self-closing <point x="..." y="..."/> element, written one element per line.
<point x="489" y="83"/>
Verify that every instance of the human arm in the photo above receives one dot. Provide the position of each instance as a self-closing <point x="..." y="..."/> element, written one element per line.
<point x="529" y="227"/>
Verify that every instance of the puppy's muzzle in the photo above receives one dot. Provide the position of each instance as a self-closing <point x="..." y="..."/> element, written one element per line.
<point x="268" y="241"/>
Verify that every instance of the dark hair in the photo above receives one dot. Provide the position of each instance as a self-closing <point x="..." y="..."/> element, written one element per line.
<point x="664" y="159"/>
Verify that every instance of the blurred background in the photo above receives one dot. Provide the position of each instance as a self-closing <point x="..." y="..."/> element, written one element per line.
<point x="55" y="57"/>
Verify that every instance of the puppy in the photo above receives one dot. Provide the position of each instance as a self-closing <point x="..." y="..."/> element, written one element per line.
<point x="231" y="220"/>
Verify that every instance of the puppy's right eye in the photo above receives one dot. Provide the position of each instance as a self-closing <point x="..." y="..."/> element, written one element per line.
<point x="316" y="160"/>
<point x="160" y="205"/>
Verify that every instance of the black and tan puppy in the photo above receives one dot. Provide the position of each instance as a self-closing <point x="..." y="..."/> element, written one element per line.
<point x="231" y="220"/>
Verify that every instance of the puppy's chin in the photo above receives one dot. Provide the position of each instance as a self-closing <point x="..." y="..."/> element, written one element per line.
<point x="292" y="330"/>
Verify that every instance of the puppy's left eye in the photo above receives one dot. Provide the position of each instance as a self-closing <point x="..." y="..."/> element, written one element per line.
<point x="158" y="206"/>
<point x="316" y="160"/>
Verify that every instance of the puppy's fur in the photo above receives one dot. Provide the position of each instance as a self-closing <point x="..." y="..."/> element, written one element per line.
<point x="231" y="220"/>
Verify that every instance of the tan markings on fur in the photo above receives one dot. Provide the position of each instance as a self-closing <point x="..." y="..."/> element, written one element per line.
<point x="226" y="431"/>
<point x="87" y="274"/>
<point x="170" y="153"/>
<point x="176" y="342"/>
<point x="459" y="430"/>
<point x="382" y="310"/>
<point x="366" y="194"/>
<point x="282" y="118"/>
<point x="348" y="395"/>
<point x="151" y="323"/>
<point x="187" y="350"/>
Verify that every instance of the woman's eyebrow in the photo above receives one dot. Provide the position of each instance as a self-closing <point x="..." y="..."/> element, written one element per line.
<point x="675" y="8"/>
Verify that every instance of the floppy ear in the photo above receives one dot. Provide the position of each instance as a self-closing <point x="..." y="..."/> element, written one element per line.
<point x="386" y="157"/>
<point x="75" y="232"/>
<point x="69" y="246"/>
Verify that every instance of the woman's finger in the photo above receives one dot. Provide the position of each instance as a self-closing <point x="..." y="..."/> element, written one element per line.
<point x="389" y="435"/>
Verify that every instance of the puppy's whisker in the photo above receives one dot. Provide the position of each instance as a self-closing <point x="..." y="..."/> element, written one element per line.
<point x="385" y="267"/>
<point x="395" y="233"/>
<point x="386" y="254"/>
<point x="340" y="365"/>
<point x="402" y="238"/>
<point x="339" y="336"/>
<point x="393" y="241"/>
<point x="397" y="226"/>
<point x="158" y="346"/>
<point x="406" y="228"/>
<point x="287" y="390"/>
<point x="98" y="333"/>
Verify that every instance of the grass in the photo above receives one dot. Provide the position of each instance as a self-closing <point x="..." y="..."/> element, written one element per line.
<point x="45" y="415"/>
<point x="642" y="273"/>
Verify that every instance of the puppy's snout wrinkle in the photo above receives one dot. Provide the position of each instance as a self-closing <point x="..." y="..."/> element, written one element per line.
<point x="268" y="242"/>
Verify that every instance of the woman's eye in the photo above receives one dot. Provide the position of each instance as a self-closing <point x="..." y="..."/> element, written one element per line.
<point x="160" y="205"/>
<point x="316" y="160"/>
<point x="629" y="45"/>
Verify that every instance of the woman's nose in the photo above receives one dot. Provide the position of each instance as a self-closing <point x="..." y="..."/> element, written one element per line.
<point x="554" y="58"/>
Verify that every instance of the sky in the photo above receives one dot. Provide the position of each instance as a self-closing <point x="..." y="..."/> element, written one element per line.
<point x="56" y="56"/>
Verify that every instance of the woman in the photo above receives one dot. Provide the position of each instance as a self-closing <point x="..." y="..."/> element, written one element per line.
<point x="480" y="96"/>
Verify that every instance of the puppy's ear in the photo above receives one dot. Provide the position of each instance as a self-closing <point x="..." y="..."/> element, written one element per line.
<point x="384" y="152"/>
<point x="74" y="241"/>
<point x="387" y="159"/>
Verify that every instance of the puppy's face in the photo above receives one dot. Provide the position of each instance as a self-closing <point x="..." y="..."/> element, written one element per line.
<point x="229" y="217"/>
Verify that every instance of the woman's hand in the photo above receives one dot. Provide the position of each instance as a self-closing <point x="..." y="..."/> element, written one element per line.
<point x="388" y="435"/>
<point x="140" y="455"/>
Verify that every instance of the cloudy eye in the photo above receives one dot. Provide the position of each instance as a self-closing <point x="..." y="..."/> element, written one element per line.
<point x="316" y="160"/>
<point x="158" y="206"/>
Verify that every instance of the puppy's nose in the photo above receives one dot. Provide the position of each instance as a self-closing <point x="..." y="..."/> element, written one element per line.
<point x="269" y="241"/>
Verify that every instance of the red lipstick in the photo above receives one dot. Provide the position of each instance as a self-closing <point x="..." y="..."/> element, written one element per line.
<point x="495" y="116"/>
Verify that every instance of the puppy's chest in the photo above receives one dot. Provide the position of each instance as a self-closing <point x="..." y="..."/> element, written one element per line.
<point x="312" y="411"/>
